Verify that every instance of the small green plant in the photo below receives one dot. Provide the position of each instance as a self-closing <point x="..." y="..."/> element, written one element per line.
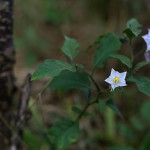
<point x="67" y="75"/>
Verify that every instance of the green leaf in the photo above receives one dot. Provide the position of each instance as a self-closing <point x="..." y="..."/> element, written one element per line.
<point x="137" y="123"/>
<point x="69" y="136"/>
<point x="121" y="148"/>
<point x="125" y="60"/>
<point x="125" y="131"/>
<point x="140" y="65"/>
<point x="33" y="141"/>
<point x="111" y="104"/>
<point x="102" y="105"/>
<point x="107" y="46"/>
<point x="133" y="28"/>
<point x="63" y="133"/>
<point x="79" y="66"/>
<point x="142" y="83"/>
<point x="76" y="109"/>
<point x="70" y="47"/>
<point x="145" y="111"/>
<point x="51" y="68"/>
<point x="71" y="80"/>
<point x="36" y="119"/>
<point x="145" y="144"/>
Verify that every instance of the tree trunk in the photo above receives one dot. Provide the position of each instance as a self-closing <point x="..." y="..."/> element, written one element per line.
<point x="11" y="123"/>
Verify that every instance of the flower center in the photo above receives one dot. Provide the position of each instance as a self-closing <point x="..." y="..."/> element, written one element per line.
<point x="116" y="80"/>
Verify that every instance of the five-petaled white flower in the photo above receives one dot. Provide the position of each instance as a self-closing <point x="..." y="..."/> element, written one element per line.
<point x="116" y="79"/>
<point x="147" y="40"/>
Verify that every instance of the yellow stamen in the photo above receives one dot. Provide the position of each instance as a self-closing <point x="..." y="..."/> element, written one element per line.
<point x="116" y="80"/>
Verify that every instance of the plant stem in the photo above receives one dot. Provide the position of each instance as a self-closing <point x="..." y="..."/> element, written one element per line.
<point x="94" y="82"/>
<point x="131" y="52"/>
<point x="87" y="106"/>
<point x="139" y="53"/>
<point x="44" y="87"/>
<point x="110" y="123"/>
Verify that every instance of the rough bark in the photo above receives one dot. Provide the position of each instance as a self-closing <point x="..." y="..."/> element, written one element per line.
<point x="11" y="122"/>
<point x="7" y="84"/>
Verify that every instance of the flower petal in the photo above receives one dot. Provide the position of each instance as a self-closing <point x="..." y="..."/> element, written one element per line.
<point x="149" y="32"/>
<point x="109" y="80"/>
<point x="123" y="75"/>
<point x="113" y="86"/>
<point x="113" y="73"/>
<point x="121" y="84"/>
<point x="147" y="40"/>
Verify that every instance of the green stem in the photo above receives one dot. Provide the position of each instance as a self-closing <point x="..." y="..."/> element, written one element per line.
<point x="139" y="53"/>
<point x="44" y="87"/>
<point x="86" y="107"/>
<point x="40" y="93"/>
<point x="92" y="72"/>
<point x="94" y="82"/>
<point x="131" y="52"/>
<point x="110" y="123"/>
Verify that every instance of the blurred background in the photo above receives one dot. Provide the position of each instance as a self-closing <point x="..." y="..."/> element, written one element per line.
<point x="39" y="29"/>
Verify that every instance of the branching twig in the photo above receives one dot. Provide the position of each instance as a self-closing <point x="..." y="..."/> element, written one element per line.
<point x="86" y="107"/>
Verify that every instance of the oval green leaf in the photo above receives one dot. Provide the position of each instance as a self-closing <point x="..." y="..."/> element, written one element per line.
<point x="70" y="47"/>
<point x="108" y="44"/>
<point x="142" y="83"/>
<point x="125" y="60"/>
<point x="51" y="68"/>
<point x="71" y="80"/>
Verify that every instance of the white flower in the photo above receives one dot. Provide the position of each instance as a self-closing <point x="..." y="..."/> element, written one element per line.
<point x="116" y="79"/>
<point x="147" y="40"/>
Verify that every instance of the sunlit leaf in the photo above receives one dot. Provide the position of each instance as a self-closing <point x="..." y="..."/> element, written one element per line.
<point x="51" y="68"/>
